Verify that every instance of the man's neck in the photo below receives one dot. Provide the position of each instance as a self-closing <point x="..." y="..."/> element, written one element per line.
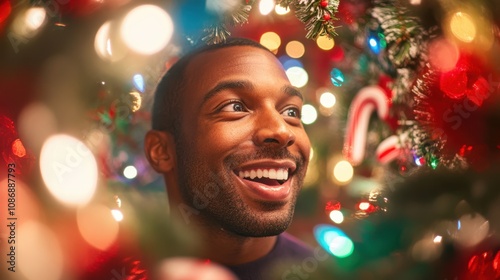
<point x="230" y="249"/>
<point x="222" y="246"/>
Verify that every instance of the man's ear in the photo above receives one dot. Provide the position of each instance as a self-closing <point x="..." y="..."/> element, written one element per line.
<point x="159" y="147"/>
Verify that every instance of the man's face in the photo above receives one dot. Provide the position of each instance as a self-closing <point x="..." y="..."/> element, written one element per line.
<point x="242" y="152"/>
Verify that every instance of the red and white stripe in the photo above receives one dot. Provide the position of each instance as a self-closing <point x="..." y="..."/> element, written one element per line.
<point x="368" y="100"/>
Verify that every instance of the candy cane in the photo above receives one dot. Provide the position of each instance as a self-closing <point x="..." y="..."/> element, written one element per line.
<point x="390" y="149"/>
<point x="366" y="101"/>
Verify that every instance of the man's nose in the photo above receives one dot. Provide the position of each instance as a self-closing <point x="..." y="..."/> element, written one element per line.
<point x="272" y="130"/>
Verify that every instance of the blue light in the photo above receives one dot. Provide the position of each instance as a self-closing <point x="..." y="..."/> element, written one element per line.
<point x="337" y="77"/>
<point x="139" y="82"/>
<point x="333" y="240"/>
<point x="289" y="62"/>
<point x="459" y="225"/>
<point x="372" y="42"/>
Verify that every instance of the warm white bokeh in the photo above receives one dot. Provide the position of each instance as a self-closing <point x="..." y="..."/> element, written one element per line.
<point x="130" y="172"/>
<point x="298" y="76"/>
<point x="309" y="114"/>
<point x="69" y="169"/>
<point x="327" y="99"/>
<point x="343" y="171"/>
<point x="270" y="40"/>
<point x="30" y="22"/>
<point x="266" y="6"/>
<point x="39" y="255"/>
<point x="147" y="29"/>
<point x="97" y="225"/>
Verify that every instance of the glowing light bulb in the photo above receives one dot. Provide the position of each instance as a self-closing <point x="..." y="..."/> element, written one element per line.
<point x="281" y="10"/>
<point x="270" y="40"/>
<point x="463" y="27"/>
<point x="18" y="148"/>
<point x="117" y="215"/>
<point x="309" y="114"/>
<point x="138" y="82"/>
<point x="69" y="169"/>
<point x="336" y="216"/>
<point x="343" y="171"/>
<point x="327" y="99"/>
<point x="298" y="76"/>
<point x="266" y="6"/>
<point x="147" y="29"/>
<point x="295" y="49"/>
<point x="130" y="172"/>
<point x="325" y="43"/>
<point x="97" y="226"/>
<point x="136" y="100"/>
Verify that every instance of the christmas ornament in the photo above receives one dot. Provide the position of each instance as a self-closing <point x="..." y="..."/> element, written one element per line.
<point x="455" y="110"/>
<point x="390" y="148"/>
<point x="337" y="77"/>
<point x="368" y="100"/>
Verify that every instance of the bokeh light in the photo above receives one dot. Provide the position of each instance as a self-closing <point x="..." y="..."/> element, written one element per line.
<point x="221" y="6"/>
<point x="69" y="169"/>
<point x="5" y="9"/>
<point x="103" y="45"/>
<point x="327" y="99"/>
<point x="427" y="249"/>
<point x="325" y="43"/>
<point x="295" y="49"/>
<point x="18" y="148"/>
<point x="117" y="215"/>
<point x="309" y="114"/>
<point x="138" y="81"/>
<point x="40" y="254"/>
<point x="136" y="100"/>
<point x="336" y="216"/>
<point x="471" y="230"/>
<point x="281" y="10"/>
<point x="343" y="171"/>
<point x="337" y="77"/>
<point x="270" y="40"/>
<point x="333" y="240"/>
<point x="147" y="29"/>
<point x="130" y="172"/>
<point x="97" y="225"/>
<point x="266" y="6"/>
<point x="289" y="62"/>
<point x="298" y="76"/>
<point x="462" y="26"/>
<point x="443" y="54"/>
<point x="30" y="22"/>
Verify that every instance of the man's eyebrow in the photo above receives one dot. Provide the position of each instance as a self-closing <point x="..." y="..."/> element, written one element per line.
<point x="226" y="85"/>
<point x="292" y="91"/>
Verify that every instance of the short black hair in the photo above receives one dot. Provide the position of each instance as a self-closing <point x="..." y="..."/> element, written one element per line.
<point x="166" y="106"/>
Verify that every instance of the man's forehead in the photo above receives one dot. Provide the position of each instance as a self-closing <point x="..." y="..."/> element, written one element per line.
<point x="229" y="53"/>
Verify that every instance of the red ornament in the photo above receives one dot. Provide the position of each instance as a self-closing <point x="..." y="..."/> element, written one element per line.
<point x="332" y="205"/>
<point x="327" y="17"/>
<point x="459" y="108"/>
<point x="485" y="266"/>
<point x="367" y="207"/>
<point x="323" y="4"/>
<point x="465" y="80"/>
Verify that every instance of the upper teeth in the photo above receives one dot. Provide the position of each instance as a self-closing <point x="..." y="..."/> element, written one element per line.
<point x="277" y="174"/>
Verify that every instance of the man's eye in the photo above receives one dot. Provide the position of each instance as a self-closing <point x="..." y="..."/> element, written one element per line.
<point x="292" y="112"/>
<point x="233" y="106"/>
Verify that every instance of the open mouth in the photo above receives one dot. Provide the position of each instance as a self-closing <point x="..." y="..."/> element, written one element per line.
<point x="268" y="176"/>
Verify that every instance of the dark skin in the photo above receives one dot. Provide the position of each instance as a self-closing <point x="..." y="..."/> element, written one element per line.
<point x="241" y="114"/>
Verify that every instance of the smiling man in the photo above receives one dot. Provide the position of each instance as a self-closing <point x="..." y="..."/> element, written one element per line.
<point x="228" y="139"/>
